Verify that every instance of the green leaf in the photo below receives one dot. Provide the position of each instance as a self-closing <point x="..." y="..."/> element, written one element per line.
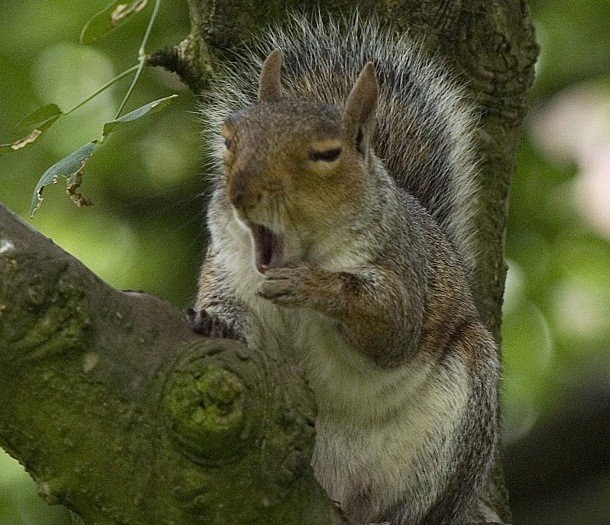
<point x="43" y="119"/>
<point x="156" y="105"/>
<point x="21" y="143"/>
<point x="27" y="140"/>
<point x="42" y="115"/>
<point x="71" y="167"/>
<point x="113" y="15"/>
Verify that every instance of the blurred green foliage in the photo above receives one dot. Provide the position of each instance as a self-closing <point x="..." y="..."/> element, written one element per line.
<point x="145" y="228"/>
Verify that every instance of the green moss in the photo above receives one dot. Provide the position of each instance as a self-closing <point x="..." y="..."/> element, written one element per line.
<point x="206" y="412"/>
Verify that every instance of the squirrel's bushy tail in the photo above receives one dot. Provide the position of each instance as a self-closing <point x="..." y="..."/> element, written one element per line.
<point x="425" y="124"/>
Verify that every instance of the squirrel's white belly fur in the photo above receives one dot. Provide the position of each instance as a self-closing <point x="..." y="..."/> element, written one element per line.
<point x="380" y="439"/>
<point x="378" y="431"/>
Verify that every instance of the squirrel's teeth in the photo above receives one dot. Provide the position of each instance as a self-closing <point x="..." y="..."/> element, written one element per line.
<point x="268" y="248"/>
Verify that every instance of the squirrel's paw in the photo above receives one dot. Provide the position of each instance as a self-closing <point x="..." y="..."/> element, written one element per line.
<point x="295" y="286"/>
<point x="211" y="325"/>
<point x="285" y="286"/>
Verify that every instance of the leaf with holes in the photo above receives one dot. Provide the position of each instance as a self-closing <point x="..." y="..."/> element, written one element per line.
<point x="71" y="167"/>
<point x="156" y="105"/>
<point x="112" y="16"/>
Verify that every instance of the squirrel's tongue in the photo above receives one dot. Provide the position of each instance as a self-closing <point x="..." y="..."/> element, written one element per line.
<point x="268" y="248"/>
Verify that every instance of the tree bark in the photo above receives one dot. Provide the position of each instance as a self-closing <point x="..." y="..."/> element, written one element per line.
<point x="123" y="415"/>
<point x="97" y="381"/>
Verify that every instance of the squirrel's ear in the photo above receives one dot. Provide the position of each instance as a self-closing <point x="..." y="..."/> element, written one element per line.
<point x="360" y="106"/>
<point x="269" y="85"/>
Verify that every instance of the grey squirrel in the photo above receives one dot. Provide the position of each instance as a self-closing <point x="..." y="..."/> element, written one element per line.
<point x="356" y="266"/>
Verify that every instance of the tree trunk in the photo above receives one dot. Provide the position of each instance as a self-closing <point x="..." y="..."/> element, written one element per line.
<point x="124" y="416"/>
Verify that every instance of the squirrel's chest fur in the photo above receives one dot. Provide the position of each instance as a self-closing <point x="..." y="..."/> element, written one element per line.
<point x="374" y="427"/>
<point x="378" y="431"/>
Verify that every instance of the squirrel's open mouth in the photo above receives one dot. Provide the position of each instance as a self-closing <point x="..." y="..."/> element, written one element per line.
<point x="268" y="248"/>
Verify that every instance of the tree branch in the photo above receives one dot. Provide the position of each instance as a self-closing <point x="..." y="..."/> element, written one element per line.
<point x="100" y="385"/>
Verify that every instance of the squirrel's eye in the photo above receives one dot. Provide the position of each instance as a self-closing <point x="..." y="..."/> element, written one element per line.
<point x="328" y="155"/>
<point x="228" y="143"/>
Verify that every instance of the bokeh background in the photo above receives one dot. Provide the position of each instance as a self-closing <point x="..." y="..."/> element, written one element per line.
<point x="145" y="229"/>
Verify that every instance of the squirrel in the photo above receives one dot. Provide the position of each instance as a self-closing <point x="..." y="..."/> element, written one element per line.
<point x="342" y="232"/>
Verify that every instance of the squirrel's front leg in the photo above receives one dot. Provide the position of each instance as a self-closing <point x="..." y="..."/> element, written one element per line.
<point x="373" y="310"/>
<point x="211" y="325"/>
<point x="306" y="285"/>
<point x="217" y="313"/>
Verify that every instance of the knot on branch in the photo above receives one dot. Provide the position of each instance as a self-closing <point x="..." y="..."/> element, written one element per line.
<point x="206" y="413"/>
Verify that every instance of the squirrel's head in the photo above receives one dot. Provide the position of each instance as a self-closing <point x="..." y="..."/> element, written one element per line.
<point x="296" y="169"/>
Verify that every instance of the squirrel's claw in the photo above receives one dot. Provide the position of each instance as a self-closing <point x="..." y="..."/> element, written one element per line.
<point x="210" y="325"/>
<point x="279" y="291"/>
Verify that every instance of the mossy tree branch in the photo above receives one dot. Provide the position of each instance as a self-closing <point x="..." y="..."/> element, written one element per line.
<point x="102" y="384"/>
<point x="121" y="414"/>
